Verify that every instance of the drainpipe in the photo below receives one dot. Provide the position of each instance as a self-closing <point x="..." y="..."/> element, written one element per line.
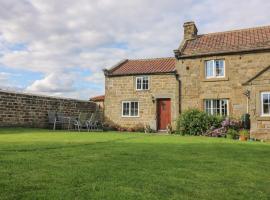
<point x="179" y="91"/>
<point x="247" y="94"/>
<point x="247" y="104"/>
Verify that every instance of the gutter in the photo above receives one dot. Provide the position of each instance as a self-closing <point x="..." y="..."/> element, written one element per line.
<point x="149" y="73"/>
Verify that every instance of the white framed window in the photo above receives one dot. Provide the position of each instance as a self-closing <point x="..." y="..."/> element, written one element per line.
<point x="217" y="106"/>
<point x="130" y="109"/>
<point x="265" y="104"/>
<point x="142" y="83"/>
<point x="214" y="69"/>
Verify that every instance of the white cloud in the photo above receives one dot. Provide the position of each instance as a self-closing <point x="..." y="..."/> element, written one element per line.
<point x="64" y="35"/>
<point x="53" y="83"/>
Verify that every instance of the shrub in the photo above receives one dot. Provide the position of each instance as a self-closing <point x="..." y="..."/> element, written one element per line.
<point x="232" y="123"/>
<point x="216" y="120"/>
<point x="232" y="134"/>
<point x="216" y="132"/>
<point x="138" y="128"/>
<point x="193" y="122"/>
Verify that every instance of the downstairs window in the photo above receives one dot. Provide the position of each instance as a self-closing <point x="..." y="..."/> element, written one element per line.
<point x="130" y="109"/>
<point x="216" y="106"/>
<point x="265" y="103"/>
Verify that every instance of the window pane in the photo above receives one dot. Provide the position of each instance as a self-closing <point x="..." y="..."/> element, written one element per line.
<point x="209" y="68"/>
<point x="266" y="104"/>
<point x="219" y="67"/>
<point x="145" y="83"/>
<point x="134" y="109"/>
<point x="214" y="107"/>
<point x="207" y="108"/>
<point x="126" y="109"/>
<point x="266" y="109"/>
<point x="218" y="107"/>
<point x="224" y="107"/>
<point x="266" y="98"/>
<point x="139" y="83"/>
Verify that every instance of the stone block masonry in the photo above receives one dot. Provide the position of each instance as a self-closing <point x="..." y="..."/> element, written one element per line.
<point x="28" y="110"/>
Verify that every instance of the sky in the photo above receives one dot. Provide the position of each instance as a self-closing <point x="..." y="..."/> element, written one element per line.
<point x="59" y="48"/>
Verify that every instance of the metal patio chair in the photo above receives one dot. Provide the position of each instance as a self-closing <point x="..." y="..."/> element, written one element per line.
<point x="95" y="122"/>
<point x="52" y="119"/>
<point x="92" y="123"/>
<point x="63" y="120"/>
<point x="81" y="122"/>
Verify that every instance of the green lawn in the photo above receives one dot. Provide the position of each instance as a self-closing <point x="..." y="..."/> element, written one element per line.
<point x="42" y="164"/>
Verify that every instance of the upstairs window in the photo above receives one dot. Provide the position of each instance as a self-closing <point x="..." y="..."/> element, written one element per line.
<point x="214" y="69"/>
<point x="142" y="83"/>
<point x="216" y="106"/>
<point x="130" y="109"/>
<point x="265" y="102"/>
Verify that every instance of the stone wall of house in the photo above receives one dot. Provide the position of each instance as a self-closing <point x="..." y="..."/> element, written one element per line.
<point x="26" y="110"/>
<point x="260" y="125"/>
<point x="239" y="68"/>
<point x="123" y="88"/>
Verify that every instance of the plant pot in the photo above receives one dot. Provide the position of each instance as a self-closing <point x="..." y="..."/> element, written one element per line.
<point x="243" y="138"/>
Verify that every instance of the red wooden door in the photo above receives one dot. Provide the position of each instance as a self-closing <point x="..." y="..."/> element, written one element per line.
<point x="163" y="113"/>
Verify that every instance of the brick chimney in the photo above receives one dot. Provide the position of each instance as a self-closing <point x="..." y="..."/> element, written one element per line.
<point x="190" y="30"/>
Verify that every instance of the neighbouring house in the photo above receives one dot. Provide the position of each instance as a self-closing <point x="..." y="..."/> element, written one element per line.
<point x="226" y="73"/>
<point x="99" y="100"/>
<point x="142" y="92"/>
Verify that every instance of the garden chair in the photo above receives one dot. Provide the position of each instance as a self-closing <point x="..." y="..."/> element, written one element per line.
<point x="81" y="122"/>
<point x="63" y="120"/>
<point x="95" y="123"/>
<point x="53" y="119"/>
<point x="92" y="123"/>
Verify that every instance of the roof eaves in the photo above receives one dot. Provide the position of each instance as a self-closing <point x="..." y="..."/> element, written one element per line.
<point x="224" y="53"/>
<point x="147" y="73"/>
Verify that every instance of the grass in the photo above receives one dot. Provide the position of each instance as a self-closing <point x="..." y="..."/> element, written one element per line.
<point x="41" y="164"/>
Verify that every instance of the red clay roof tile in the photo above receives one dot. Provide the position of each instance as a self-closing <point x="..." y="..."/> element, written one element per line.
<point x="237" y="40"/>
<point x="98" y="98"/>
<point x="144" y="66"/>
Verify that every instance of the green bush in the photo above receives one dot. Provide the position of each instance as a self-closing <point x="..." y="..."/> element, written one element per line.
<point x="193" y="122"/>
<point x="216" y="120"/>
<point x="232" y="134"/>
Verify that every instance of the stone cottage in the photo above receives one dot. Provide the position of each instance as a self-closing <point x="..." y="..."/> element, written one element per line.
<point x="142" y="92"/>
<point x="224" y="73"/>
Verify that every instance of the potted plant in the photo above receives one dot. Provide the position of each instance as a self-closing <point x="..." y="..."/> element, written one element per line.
<point x="243" y="135"/>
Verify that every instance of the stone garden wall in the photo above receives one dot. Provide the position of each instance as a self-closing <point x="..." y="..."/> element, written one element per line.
<point x="28" y="110"/>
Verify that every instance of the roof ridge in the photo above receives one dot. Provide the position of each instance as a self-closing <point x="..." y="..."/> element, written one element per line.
<point x="234" y="30"/>
<point x="150" y="59"/>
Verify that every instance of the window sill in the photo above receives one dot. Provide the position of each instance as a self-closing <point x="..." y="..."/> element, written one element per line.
<point x="263" y="118"/>
<point x="215" y="79"/>
<point x="142" y="90"/>
<point x="130" y="116"/>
